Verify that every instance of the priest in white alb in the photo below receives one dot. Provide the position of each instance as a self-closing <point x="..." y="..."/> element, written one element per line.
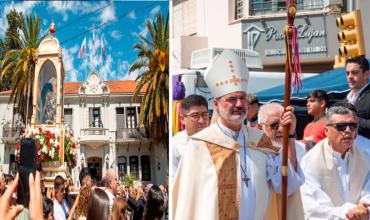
<point x="337" y="182"/>
<point x="228" y="171"/>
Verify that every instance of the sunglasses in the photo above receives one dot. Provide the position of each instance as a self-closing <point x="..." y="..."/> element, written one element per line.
<point x="343" y="126"/>
<point x="274" y="126"/>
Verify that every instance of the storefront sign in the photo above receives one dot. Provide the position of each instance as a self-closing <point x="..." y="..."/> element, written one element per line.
<point x="267" y="37"/>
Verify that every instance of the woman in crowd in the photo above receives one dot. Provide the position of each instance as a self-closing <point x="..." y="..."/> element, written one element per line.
<point x="98" y="207"/>
<point x="81" y="210"/>
<point x="154" y="208"/>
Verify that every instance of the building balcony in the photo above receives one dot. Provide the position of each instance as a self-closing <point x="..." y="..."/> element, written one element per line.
<point x="94" y="136"/>
<point x="11" y="135"/>
<point x="129" y="135"/>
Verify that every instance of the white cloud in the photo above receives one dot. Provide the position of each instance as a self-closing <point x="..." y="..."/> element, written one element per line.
<point x="115" y="35"/>
<point x="68" y="61"/>
<point x="63" y="7"/>
<point x="124" y="74"/>
<point x="25" y="7"/>
<point x="74" y="49"/>
<point x="132" y="75"/>
<point x="106" y="71"/>
<point x="107" y="14"/>
<point x="81" y="8"/>
<point x="123" y="67"/>
<point x="132" y="15"/>
<point x="44" y="22"/>
<point x="76" y="7"/>
<point x="155" y="10"/>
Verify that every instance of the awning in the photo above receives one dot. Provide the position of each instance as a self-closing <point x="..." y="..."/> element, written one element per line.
<point x="333" y="82"/>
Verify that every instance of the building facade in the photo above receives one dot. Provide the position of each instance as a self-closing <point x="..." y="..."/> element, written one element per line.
<point x="105" y="121"/>
<point x="258" y="25"/>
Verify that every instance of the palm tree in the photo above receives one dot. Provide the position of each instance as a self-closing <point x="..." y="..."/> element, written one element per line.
<point x="18" y="66"/>
<point x="153" y="63"/>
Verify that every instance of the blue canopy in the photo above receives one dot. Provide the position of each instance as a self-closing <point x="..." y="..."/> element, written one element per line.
<point x="333" y="82"/>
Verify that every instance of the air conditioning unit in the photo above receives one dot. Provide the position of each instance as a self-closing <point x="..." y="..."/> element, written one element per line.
<point x="201" y="59"/>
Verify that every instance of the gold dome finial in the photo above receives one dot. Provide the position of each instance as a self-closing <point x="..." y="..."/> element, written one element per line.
<point x="52" y="29"/>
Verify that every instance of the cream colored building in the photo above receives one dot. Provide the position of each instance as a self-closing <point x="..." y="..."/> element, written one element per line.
<point x="106" y="126"/>
<point x="257" y="25"/>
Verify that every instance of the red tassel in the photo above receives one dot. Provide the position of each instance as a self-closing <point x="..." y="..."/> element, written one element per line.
<point x="295" y="61"/>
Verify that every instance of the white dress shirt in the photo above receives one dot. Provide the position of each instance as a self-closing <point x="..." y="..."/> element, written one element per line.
<point x="353" y="96"/>
<point x="111" y="199"/>
<point x="178" y="145"/>
<point x="60" y="210"/>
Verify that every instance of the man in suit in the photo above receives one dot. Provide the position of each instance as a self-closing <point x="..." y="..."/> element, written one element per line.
<point x="357" y="69"/>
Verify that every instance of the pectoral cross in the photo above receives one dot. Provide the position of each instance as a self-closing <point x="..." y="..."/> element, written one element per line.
<point x="245" y="179"/>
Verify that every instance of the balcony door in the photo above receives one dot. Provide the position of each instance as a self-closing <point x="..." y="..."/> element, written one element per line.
<point x="95" y="118"/>
<point x="131" y="120"/>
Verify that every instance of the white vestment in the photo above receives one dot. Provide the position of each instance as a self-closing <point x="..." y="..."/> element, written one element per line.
<point x="178" y="145"/>
<point x="209" y="185"/>
<point x="333" y="184"/>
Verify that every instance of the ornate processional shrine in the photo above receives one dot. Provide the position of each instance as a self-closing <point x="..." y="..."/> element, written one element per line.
<point x="48" y="100"/>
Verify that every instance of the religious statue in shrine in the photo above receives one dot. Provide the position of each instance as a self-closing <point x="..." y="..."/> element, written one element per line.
<point x="48" y="98"/>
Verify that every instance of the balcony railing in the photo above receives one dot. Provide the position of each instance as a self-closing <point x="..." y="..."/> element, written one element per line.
<point x="129" y="133"/>
<point x="11" y="133"/>
<point x="93" y="131"/>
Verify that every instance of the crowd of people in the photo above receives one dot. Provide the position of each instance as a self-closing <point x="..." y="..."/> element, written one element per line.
<point x="230" y="167"/>
<point x="110" y="200"/>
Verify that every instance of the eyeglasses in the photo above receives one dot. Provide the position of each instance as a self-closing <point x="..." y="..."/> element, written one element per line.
<point x="196" y="116"/>
<point x="343" y="126"/>
<point x="274" y="126"/>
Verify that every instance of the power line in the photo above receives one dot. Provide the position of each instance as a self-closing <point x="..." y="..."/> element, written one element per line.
<point x="84" y="16"/>
<point x="105" y="23"/>
<point x="80" y="18"/>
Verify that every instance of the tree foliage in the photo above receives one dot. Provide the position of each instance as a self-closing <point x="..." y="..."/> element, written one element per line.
<point x="18" y="65"/>
<point x="15" y="23"/>
<point x="153" y="63"/>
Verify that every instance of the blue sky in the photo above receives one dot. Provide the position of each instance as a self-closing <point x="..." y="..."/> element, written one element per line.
<point x="124" y="21"/>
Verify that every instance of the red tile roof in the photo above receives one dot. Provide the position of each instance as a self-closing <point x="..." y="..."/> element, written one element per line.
<point x="123" y="86"/>
<point x="72" y="87"/>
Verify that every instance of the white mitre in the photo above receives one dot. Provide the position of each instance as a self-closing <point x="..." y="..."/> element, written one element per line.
<point x="227" y="74"/>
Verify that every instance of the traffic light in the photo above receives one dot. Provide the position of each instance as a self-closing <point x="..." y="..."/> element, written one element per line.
<point x="350" y="37"/>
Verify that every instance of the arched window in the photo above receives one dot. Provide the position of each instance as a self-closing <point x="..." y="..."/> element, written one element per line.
<point x="145" y="168"/>
<point x="47" y="91"/>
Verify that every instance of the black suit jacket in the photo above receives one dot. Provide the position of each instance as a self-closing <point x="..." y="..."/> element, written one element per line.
<point x="137" y="206"/>
<point x="362" y="105"/>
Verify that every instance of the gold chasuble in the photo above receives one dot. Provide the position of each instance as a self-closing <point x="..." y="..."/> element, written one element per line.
<point x="207" y="182"/>
<point x="228" y="199"/>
